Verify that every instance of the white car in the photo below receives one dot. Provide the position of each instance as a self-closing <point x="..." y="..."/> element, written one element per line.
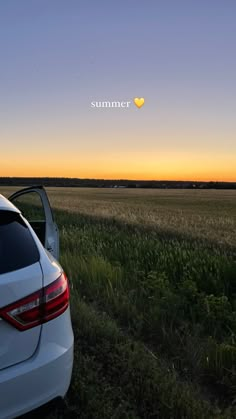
<point x="36" y="337"/>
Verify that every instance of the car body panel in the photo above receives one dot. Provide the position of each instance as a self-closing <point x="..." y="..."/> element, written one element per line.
<point x="6" y="205"/>
<point x="43" y="377"/>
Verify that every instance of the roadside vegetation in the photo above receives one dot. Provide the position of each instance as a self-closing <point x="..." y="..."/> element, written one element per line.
<point x="153" y="284"/>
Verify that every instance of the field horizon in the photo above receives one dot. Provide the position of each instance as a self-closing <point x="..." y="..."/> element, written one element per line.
<point x="118" y="182"/>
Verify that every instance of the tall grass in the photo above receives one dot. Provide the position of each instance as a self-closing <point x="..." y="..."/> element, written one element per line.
<point x="176" y="295"/>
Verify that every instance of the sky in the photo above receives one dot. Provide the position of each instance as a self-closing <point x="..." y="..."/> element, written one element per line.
<point x="58" y="56"/>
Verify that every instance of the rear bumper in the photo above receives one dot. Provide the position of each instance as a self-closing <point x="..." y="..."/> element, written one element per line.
<point x="45" y="376"/>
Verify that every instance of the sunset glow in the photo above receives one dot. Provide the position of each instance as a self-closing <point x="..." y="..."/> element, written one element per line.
<point x="60" y="57"/>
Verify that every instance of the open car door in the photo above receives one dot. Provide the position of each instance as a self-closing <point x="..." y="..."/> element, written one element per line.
<point x="35" y="207"/>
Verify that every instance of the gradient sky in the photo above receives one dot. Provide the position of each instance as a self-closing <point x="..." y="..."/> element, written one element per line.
<point x="57" y="56"/>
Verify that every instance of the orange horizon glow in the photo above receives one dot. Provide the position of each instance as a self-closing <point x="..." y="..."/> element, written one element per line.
<point x="132" y="165"/>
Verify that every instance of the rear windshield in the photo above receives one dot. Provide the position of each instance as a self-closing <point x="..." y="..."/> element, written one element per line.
<point x="17" y="246"/>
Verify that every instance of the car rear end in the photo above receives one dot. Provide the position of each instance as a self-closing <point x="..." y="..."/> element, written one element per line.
<point x="36" y="337"/>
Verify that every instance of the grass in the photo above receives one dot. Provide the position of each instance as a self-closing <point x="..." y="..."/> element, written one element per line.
<point x="153" y="302"/>
<point x="208" y="214"/>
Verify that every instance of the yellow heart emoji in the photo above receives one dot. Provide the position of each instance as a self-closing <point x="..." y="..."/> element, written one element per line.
<point x="139" y="101"/>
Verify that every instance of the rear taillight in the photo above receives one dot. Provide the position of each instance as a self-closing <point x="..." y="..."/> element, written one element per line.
<point x="39" y="307"/>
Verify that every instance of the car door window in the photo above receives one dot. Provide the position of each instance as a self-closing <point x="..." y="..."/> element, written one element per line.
<point x="31" y="207"/>
<point x="34" y="204"/>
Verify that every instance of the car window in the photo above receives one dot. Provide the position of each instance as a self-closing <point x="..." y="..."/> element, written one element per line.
<point x="30" y="205"/>
<point x="17" y="247"/>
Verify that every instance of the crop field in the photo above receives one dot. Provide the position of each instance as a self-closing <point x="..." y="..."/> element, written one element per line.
<point x="153" y="299"/>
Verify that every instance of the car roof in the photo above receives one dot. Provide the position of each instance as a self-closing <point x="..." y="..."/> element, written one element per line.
<point x="6" y="205"/>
